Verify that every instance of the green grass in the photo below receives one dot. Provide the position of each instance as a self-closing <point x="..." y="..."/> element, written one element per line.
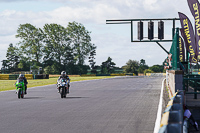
<point x="9" y="84"/>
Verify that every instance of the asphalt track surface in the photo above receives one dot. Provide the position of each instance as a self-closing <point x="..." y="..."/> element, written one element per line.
<point x="120" y="105"/>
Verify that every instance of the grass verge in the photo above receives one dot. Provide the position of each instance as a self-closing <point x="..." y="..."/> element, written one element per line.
<point x="9" y="84"/>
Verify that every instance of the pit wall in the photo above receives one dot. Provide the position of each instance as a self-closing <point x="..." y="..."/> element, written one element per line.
<point x="174" y="80"/>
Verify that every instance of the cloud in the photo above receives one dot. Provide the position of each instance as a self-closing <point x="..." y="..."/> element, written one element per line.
<point x="14" y="1"/>
<point x="111" y="40"/>
<point x="5" y="41"/>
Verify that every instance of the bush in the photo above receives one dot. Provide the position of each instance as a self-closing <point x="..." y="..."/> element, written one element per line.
<point x="148" y="71"/>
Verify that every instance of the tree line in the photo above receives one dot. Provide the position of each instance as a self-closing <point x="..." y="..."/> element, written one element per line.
<point x="132" y="66"/>
<point x="53" y="47"/>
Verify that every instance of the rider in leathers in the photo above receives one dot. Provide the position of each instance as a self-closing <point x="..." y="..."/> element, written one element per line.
<point x="22" y="77"/>
<point x="63" y="75"/>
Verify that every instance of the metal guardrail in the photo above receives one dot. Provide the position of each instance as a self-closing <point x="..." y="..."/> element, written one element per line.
<point x="172" y="118"/>
<point x="28" y="76"/>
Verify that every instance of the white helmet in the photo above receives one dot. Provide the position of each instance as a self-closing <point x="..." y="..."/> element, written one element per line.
<point x="63" y="73"/>
<point x="21" y="76"/>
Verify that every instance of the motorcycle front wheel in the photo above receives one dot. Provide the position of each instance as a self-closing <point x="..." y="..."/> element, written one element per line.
<point x="62" y="91"/>
<point x="22" y="94"/>
<point x="19" y="93"/>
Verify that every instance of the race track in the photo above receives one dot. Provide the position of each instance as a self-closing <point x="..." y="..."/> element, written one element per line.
<point x="118" y="105"/>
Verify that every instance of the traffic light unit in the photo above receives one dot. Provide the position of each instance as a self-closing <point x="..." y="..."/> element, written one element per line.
<point x="161" y="30"/>
<point x="140" y="30"/>
<point x="151" y="30"/>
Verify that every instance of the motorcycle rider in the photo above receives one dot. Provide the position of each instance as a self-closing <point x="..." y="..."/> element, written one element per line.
<point x="65" y="76"/>
<point x="23" y="78"/>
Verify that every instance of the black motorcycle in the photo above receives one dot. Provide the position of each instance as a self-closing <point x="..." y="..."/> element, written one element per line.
<point x="63" y="87"/>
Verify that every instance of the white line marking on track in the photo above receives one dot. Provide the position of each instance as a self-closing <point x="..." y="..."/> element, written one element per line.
<point x="158" y="119"/>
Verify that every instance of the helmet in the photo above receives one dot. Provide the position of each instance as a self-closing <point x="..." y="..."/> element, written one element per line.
<point x="63" y="73"/>
<point x="21" y="76"/>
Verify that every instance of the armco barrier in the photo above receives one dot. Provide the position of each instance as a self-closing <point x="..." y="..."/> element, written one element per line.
<point x="120" y="74"/>
<point x="41" y="76"/>
<point x="156" y="74"/>
<point x="129" y="74"/>
<point x="172" y="118"/>
<point x="4" y="76"/>
<point x="13" y="76"/>
<point x="29" y="76"/>
<point x="102" y="74"/>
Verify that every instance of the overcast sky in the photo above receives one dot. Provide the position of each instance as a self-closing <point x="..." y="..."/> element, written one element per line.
<point x="111" y="40"/>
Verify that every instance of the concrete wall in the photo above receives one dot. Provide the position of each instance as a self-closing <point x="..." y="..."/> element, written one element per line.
<point x="174" y="81"/>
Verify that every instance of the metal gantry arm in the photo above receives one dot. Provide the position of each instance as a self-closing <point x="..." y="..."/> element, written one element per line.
<point x="130" y="21"/>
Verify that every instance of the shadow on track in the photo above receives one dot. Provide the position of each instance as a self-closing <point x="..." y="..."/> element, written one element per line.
<point x="33" y="97"/>
<point x="75" y="97"/>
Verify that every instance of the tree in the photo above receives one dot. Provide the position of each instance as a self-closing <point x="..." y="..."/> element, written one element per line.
<point x="80" y="41"/>
<point x="92" y="61"/>
<point x="142" y="66"/>
<point x="142" y="62"/>
<point x="24" y="64"/>
<point x="12" y="57"/>
<point x="21" y="65"/>
<point x="148" y="71"/>
<point x="5" y="64"/>
<point x="32" y="41"/>
<point x="47" y="70"/>
<point x="56" y="45"/>
<point x="107" y="66"/>
<point x="157" y="68"/>
<point x="131" y="66"/>
<point x="55" y="68"/>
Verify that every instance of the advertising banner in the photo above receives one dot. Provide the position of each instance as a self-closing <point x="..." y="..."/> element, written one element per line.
<point x="185" y="39"/>
<point x="195" y="8"/>
<point x="181" y="50"/>
<point x="188" y="36"/>
<point x="187" y="46"/>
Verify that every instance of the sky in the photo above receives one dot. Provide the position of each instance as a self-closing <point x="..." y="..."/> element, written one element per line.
<point x="111" y="40"/>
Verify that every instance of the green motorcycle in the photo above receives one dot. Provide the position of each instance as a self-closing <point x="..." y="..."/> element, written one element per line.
<point x="20" y="88"/>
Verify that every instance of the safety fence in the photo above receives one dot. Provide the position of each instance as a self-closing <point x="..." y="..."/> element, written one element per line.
<point x="172" y="118"/>
<point x="28" y="76"/>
